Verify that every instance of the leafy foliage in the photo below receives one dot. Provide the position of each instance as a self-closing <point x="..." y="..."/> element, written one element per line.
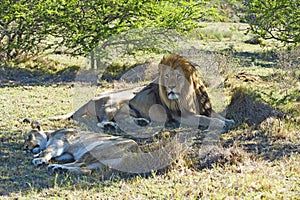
<point x="274" y="19"/>
<point x="31" y="26"/>
<point x="19" y="26"/>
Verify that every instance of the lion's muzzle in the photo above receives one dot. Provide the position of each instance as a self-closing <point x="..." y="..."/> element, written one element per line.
<point x="172" y="95"/>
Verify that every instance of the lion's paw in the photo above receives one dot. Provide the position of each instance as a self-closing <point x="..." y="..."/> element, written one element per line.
<point x="220" y="125"/>
<point x="108" y="125"/>
<point x="216" y="124"/>
<point x="39" y="161"/>
<point x="72" y="169"/>
<point x="229" y="123"/>
<point x="141" y="121"/>
<point x="56" y="168"/>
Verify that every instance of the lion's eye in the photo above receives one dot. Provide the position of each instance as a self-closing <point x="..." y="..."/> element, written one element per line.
<point x="179" y="76"/>
<point x="166" y="76"/>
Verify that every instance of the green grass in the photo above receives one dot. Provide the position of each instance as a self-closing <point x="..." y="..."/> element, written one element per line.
<point x="265" y="166"/>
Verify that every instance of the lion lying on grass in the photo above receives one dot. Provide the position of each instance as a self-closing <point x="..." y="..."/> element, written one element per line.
<point x="83" y="151"/>
<point x="178" y="96"/>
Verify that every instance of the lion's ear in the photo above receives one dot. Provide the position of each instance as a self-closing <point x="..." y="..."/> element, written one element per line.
<point x="165" y="59"/>
<point x="31" y="137"/>
<point x="161" y="67"/>
<point x="36" y="125"/>
<point x="26" y="120"/>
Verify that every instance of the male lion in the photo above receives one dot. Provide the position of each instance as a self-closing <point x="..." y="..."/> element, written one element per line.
<point x="177" y="96"/>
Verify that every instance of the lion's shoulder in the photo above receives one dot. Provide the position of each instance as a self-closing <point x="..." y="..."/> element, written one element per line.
<point x="144" y="100"/>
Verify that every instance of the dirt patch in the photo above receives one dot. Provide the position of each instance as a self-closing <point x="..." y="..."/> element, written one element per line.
<point x="208" y="156"/>
<point x="245" y="108"/>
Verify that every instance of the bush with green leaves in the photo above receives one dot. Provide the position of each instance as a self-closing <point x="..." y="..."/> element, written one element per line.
<point x="32" y="26"/>
<point x="21" y="28"/>
<point x="274" y="19"/>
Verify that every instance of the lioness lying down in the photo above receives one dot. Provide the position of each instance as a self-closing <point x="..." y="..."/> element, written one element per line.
<point x="85" y="151"/>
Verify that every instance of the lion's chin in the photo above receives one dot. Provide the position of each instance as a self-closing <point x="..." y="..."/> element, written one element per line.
<point x="173" y="96"/>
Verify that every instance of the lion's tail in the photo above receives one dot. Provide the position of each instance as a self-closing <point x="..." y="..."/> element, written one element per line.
<point x="61" y="117"/>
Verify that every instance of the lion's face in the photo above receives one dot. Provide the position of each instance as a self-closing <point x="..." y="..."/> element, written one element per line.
<point x="176" y="84"/>
<point x="176" y="77"/>
<point x="174" y="81"/>
<point x="35" y="141"/>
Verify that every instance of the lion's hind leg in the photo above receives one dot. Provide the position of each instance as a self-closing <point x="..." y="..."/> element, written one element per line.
<point x="74" y="167"/>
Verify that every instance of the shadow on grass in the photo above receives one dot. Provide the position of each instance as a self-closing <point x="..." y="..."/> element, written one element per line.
<point x="15" y="76"/>
<point x="267" y="148"/>
<point x="260" y="121"/>
<point x="266" y="59"/>
<point x="17" y="174"/>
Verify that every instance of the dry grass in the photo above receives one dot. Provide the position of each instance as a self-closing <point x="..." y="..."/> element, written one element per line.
<point x="261" y="162"/>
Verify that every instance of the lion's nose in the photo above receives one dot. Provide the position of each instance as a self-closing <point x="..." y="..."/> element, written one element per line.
<point x="172" y="87"/>
<point x="26" y="148"/>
